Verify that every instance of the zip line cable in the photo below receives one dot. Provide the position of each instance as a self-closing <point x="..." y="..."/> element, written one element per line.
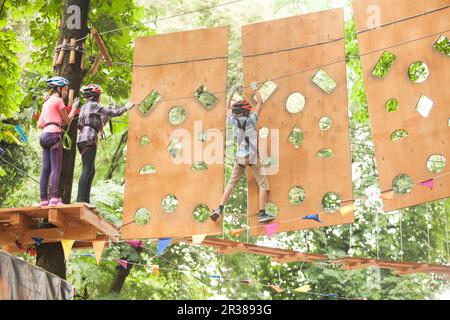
<point x="356" y="56"/>
<point x="165" y="18"/>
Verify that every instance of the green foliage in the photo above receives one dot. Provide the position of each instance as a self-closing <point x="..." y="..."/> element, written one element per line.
<point x="385" y="63"/>
<point x="443" y="45"/>
<point x="186" y="271"/>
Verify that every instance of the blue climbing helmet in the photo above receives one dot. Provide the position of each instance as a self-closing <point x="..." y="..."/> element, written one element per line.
<point x="57" y="82"/>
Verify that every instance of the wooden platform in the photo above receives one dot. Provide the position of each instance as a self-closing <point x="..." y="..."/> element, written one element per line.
<point x="348" y="263"/>
<point x="68" y="222"/>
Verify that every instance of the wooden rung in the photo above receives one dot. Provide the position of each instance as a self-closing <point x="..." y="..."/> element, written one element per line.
<point x="73" y="43"/>
<point x="83" y="56"/>
<point x="101" y="45"/>
<point x="96" y="64"/>
<point x="60" y="59"/>
<point x="55" y="56"/>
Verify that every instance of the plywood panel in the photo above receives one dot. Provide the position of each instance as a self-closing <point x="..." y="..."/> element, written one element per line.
<point x="174" y="75"/>
<point x="427" y="136"/>
<point x="299" y="167"/>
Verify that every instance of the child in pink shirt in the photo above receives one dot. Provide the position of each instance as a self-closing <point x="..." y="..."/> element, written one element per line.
<point x="52" y="115"/>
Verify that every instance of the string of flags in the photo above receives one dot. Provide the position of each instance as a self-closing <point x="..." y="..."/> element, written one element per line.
<point x="155" y="269"/>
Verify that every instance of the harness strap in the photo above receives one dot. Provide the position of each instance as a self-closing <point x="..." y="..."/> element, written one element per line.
<point x="90" y="126"/>
<point x="52" y="123"/>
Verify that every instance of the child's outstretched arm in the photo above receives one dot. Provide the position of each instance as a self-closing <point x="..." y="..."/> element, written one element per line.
<point x="233" y="90"/>
<point x="259" y="102"/>
<point x="115" y="112"/>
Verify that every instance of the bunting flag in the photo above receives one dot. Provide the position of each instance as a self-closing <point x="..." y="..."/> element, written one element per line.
<point x="163" y="243"/>
<point x="312" y="217"/>
<point x="198" y="238"/>
<point x="428" y="183"/>
<point x="271" y="228"/>
<point x="22" y="134"/>
<point x="123" y="263"/>
<point x="347" y="209"/>
<point x="37" y="116"/>
<point x="236" y="232"/>
<point x="388" y="195"/>
<point x="276" y="288"/>
<point x="215" y="277"/>
<point x="31" y="252"/>
<point x="155" y="269"/>
<point x="135" y="243"/>
<point x="305" y="288"/>
<point x="67" y="247"/>
<point x="98" y="247"/>
<point x="9" y="134"/>
<point x="37" y="241"/>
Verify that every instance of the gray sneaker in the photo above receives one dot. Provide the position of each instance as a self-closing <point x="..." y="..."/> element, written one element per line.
<point x="264" y="217"/>
<point x="215" y="215"/>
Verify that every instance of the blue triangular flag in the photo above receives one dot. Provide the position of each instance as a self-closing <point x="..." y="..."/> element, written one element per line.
<point x="214" y="276"/>
<point x="312" y="217"/>
<point x="37" y="241"/>
<point x="22" y="134"/>
<point x="163" y="243"/>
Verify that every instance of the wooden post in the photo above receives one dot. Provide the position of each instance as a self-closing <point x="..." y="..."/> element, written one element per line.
<point x="55" y="56"/>
<point x="73" y="44"/>
<point x="61" y="53"/>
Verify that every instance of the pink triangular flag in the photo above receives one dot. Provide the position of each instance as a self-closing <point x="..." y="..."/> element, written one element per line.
<point x="271" y="228"/>
<point x="428" y="183"/>
<point x="123" y="263"/>
<point x="135" y="243"/>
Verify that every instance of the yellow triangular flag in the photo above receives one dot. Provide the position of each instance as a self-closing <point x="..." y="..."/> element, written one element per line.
<point x="98" y="247"/>
<point x="276" y="288"/>
<point x="388" y="195"/>
<point x="347" y="209"/>
<point x="305" y="288"/>
<point x="8" y="133"/>
<point x="67" y="247"/>
<point x="198" y="238"/>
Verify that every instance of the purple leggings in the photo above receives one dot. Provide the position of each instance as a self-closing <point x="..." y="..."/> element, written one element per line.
<point x="51" y="163"/>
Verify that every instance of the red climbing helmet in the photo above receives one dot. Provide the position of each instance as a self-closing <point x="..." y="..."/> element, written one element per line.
<point x="91" y="90"/>
<point x="241" y="107"/>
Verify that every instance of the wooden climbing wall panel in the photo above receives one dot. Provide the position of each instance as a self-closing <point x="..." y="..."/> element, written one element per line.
<point x="175" y="66"/>
<point x="268" y="54"/>
<point x="386" y="26"/>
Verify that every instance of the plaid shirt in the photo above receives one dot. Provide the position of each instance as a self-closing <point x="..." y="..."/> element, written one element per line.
<point x="93" y="115"/>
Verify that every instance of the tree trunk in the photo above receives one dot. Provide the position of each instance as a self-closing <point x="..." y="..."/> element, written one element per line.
<point x="51" y="256"/>
<point x="120" y="278"/>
